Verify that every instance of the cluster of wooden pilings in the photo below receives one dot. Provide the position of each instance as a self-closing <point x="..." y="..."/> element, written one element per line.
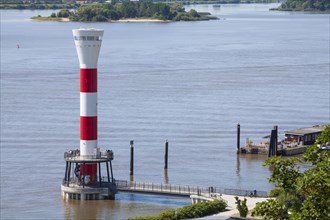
<point x="272" y="150"/>
<point x="131" y="170"/>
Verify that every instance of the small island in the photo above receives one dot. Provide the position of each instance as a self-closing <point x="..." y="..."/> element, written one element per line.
<point x="305" y="5"/>
<point x="128" y="11"/>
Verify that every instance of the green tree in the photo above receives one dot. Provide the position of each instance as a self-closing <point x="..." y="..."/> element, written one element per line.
<point x="128" y="9"/>
<point x="63" y="13"/>
<point x="305" y="195"/>
<point x="193" y="13"/>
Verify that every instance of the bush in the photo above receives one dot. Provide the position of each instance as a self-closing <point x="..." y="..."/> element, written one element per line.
<point x="242" y="207"/>
<point x="191" y="211"/>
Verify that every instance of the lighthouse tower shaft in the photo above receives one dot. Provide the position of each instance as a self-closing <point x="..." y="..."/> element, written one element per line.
<point x="88" y="45"/>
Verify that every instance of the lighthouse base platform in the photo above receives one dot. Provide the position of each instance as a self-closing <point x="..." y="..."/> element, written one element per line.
<point x="84" y="179"/>
<point x="77" y="192"/>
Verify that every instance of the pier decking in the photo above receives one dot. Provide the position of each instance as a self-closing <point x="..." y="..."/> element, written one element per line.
<point x="182" y="190"/>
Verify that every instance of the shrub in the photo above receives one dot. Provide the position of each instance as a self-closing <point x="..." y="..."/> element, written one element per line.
<point x="242" y="207"/>
<point x="191" y="211"/>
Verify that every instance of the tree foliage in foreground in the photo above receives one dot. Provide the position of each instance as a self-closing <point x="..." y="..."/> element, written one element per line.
<point x="128" y="9"/>
<point x="300" y="195"/>
<point x="191" y="211"/>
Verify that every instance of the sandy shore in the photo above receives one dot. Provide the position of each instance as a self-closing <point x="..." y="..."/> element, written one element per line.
<point x="140" y="20"/>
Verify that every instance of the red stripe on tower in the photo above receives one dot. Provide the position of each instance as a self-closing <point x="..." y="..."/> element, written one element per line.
<point x="88" y="128"/>
<point x="88" y="80"/>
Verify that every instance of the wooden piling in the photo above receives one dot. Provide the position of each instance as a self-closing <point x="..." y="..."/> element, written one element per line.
<point x="166" y="176"/>
<point x="238" y="138"/>
<point x="131" y="171"/>
<point x="270" y="147"/>
<point x="272" y="143"/>
<point x="276" y="138"/>
<point x="166" y="155"/>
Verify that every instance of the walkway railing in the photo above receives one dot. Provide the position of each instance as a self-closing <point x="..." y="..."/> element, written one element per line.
<point x="182" y="190"/>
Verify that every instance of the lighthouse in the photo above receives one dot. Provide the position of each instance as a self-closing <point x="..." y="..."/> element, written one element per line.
<point x="83" y="178"/>
<point x="88" y="45"/>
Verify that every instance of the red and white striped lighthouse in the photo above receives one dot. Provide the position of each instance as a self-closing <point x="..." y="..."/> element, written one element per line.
<point x="88" y="45"/>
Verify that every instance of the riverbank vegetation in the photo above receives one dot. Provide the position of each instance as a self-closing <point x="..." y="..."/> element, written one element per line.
<point x="216" y="2"/>
<point x="60" y="4"/>
<point x="197" y="210"/>
<point x="304" y="5"/>
<point x="300" y="195"/>
<point x="37" y="4"/>
<point x="127" y="9"/>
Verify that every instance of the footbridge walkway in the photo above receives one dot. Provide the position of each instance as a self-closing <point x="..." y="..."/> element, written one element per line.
<point x="182" y="190"/>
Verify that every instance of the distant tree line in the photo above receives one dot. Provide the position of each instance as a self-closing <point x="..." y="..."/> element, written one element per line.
<point x="36" y="4"/>
<point x="128" y="9"/>
<point x="71" y="4"/>
<point x="188" y="2"/>
<point x="305" y="5"/>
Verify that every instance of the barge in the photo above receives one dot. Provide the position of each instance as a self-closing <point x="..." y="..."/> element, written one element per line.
<point x="295" y="142"/>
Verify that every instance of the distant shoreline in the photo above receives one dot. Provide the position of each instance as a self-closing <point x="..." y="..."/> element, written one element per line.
<point x="125" y="20"/>
<point x="139" y="20"/>
<point x="6" y="6"/>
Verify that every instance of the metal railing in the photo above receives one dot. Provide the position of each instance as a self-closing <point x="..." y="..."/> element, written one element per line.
<point x="76" y="183"/>
<point x="75" y="154"/>
<point x="123" y="185"/>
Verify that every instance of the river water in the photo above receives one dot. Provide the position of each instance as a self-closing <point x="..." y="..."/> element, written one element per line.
<point x="186" y="82"/>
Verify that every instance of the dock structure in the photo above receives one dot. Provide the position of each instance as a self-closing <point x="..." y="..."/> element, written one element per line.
<point x="157" y="189"/>
<point x="304" y="136"/>
<point x="196" y="193"/>
<point x="294" y="142"/>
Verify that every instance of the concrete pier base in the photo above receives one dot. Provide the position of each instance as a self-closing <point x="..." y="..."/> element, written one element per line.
<point x="86" y="193"/>
<point x="205" y="198"/>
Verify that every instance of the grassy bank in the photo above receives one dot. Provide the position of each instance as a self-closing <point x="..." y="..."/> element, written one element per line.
<point x="39" y="18"/>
